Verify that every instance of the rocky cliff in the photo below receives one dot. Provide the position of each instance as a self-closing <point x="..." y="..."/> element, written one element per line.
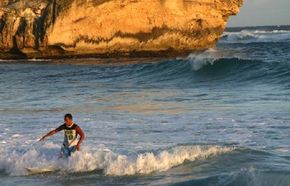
<point x="59" y="28"/>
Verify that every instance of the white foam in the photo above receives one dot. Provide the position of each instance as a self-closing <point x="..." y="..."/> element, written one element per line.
<point x="15" y="162"/>
<point x="250" y="36"/>
<point x="149" y="162"/>
<point x="208" y="57"/>
<point x="15" y="135"/>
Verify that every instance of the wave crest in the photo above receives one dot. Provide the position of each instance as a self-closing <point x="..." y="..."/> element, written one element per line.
<point x="149" y="162"/>
<point x="16" y="162"/>
<point x="256" y="36"/>
<point x="209" y="57"/>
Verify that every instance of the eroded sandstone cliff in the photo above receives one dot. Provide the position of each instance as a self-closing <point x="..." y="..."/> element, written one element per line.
<point x="56" y="28"/>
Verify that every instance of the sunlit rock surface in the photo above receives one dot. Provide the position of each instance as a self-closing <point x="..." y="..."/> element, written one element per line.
<point x="108" y="28"/>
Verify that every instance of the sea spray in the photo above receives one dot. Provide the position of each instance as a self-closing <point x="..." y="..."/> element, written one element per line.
<point x="16" y="162"/>
<point x="149" y="162"/>
<point x="256" y="36"/>
<point x="210" y="56"/>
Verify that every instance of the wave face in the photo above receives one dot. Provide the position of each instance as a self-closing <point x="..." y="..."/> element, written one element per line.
<point x="216" y="117"/>
<point x="238" y="67"/>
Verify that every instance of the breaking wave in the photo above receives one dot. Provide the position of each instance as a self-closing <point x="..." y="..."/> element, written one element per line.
<point x="256" y="36"/>
<point x="15" y="162"/>
<point x="209" y="57"/>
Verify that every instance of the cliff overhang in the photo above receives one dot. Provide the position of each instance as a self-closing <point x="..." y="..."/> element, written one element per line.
<point x="109" y="28"/>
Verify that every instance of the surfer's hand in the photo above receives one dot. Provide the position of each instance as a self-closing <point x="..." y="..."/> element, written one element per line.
<point x="78" y="147"/>
<point x="42" y="139"/>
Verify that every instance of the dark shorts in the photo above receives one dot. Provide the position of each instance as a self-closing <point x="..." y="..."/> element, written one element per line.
<point x="67" y="151"/>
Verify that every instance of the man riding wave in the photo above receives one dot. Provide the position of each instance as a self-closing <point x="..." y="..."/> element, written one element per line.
<point x="71" y="132"/>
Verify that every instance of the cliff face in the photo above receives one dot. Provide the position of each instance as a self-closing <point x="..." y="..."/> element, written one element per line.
<point x="52" y="28"/>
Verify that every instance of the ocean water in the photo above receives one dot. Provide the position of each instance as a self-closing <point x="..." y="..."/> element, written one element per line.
<point x="218" y="117"/>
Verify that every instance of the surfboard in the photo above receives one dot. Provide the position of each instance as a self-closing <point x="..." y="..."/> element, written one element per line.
<point x="40" y="170"/>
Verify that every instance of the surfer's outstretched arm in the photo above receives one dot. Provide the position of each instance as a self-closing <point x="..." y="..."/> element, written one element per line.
<point x="60" y="128"/>
<point x="49" y="134"/>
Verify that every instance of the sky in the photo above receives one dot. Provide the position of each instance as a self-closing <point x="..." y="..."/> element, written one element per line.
<point x="262" y="12"/>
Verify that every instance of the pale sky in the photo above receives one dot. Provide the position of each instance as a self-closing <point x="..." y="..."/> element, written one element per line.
<point x="262" y="12"/>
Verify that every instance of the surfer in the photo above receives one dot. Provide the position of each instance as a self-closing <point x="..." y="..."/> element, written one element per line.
<point x="71" y="132"/>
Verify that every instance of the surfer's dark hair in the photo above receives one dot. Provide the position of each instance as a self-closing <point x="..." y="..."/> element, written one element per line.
<point x="68" y="115"/>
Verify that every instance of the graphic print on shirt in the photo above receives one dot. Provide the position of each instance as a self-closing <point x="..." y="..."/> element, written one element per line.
<point x="70" y="136"/>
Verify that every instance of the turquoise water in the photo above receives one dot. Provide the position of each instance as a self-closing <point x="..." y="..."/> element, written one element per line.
<point x="219" y="117"/>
